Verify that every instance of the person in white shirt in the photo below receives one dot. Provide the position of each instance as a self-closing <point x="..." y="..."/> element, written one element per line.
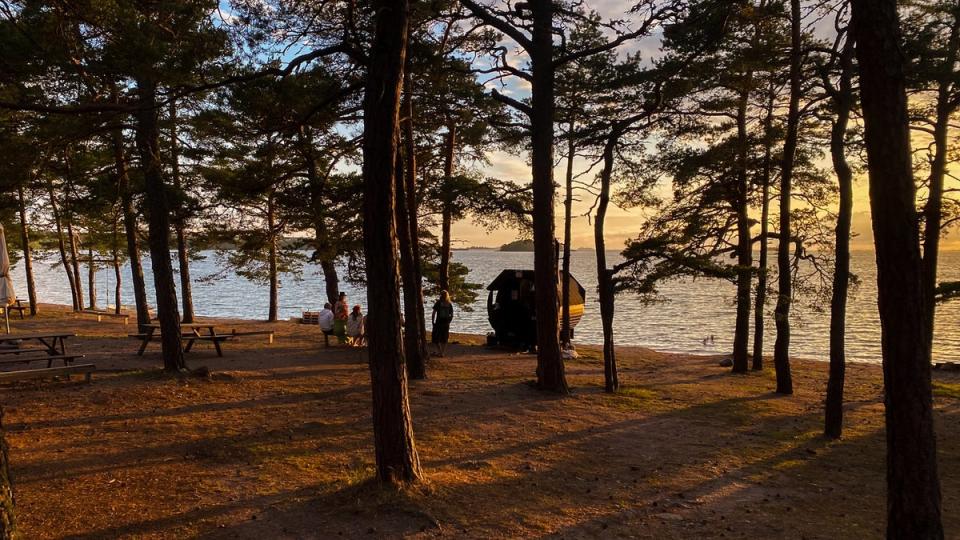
<point x="326" y="323"/>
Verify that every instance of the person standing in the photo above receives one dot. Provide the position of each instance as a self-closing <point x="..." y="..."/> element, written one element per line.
<point x="325" y="320"/>
<point x="340" y="314"/>
<point x="442" y="316"/>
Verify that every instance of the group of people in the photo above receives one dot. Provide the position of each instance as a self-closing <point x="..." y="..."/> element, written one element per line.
<point x="338" y="320"/>
<point x="349" y="325"/>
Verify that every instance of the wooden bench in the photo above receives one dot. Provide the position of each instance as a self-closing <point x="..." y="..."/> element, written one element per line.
<point x="268" y="333"/>
<point x="17" y="350"/>
<point x="43" y="373"/>
<point x="49" y="359"/>
<point x="18" y="307"/>
<point x="26" y="350"/>
<point x="100" y="314"/>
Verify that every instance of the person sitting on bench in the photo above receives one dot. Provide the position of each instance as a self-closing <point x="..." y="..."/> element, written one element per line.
<point x="355" y="327"/>
<point x="325" y="320"/>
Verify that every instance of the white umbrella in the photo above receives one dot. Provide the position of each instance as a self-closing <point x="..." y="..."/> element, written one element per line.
<point x="7" y="296"/>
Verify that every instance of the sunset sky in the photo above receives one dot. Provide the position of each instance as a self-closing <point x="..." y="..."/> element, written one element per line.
<point x="623" y="224"/>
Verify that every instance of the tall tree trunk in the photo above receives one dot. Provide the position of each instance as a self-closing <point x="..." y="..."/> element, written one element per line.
<point x="913" y="484"/>
<point x="73" y="240"/>
<point x="27" y="252"/>
<point x="7" y="521"/>
<point x="117" y="274"/>
<point x="741" y="334"/>
<point x="272" y="235"/>
<point x="567" y="233"/>
<point x="933" y="211"/>
<point x="446" y="212"/>
<point x="328" y="266"/>
<point x="61" y="244"/>
<point x="415" y="334"/>
<point x="397" y="459"/>
<point x="550" y="369"/>
<point x="331" y="280"/>
<point x="148" y="145"/>
<point x="781" y="347"/>
<point x="416" y="362"/>
<point x="762" y="271"/>
<point x="843" y="103"/>
<point x="92" y="279"/>
<point x="611" y="379"/>
<point x="75" y="262"/>
<point x="179" y="223"/>
<point x="130" y="230"/>
<point x="413" y="215"/>
<point x="318" y="184"/>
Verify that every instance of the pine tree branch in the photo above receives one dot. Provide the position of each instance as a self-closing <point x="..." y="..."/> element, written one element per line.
<point x="518" y="105"/>
<point x="510" y="30"/>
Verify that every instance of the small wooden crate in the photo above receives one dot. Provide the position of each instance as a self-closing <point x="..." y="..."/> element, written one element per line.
<point x="310" y="317"/>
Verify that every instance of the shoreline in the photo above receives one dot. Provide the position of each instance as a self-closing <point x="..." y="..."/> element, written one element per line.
<point x="462" y="338"/>
<point x="696" y="308"/>
<point x="473" y="338"/>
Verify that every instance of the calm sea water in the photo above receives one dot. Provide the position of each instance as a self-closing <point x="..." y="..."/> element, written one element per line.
<point x="694" y="310"/>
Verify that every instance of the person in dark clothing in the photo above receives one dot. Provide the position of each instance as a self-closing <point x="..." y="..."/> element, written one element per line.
<point x="442" y="315"/>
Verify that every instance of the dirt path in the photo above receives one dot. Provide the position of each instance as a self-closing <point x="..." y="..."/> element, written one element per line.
<point x="278" y="444"/>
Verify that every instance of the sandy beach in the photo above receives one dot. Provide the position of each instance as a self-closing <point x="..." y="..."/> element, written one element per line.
<point x="277" y="443"/>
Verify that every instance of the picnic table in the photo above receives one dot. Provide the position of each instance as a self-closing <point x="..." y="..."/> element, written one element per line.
<point x="189" y="333"/>
<point x="51" y="342"/>
<point x="52" y="347"/>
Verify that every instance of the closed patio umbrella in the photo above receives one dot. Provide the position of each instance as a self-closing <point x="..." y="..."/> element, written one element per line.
<point x="7" y="296"/>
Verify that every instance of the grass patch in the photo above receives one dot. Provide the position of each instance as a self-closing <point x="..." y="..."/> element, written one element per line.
<point x="950" y="390"/>
<point x="358" y="472"/>
<point x="632" y="398"/>
<point x="637" y="393"/>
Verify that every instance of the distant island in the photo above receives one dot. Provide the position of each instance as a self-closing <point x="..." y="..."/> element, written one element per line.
<point x="518" y="245"/>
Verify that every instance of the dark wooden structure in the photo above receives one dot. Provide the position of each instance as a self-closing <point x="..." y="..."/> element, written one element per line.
<point x="511" y="307"/>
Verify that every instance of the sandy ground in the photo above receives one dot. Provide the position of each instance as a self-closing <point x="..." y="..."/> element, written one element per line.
<point x="277" y="443"/>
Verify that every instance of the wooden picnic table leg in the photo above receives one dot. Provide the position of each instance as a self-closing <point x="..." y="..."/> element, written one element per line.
<point x="51" y="347"/>
<point x="190" y="343"/>
<point x="216" y="342"/>
<point x="146" y="339"/>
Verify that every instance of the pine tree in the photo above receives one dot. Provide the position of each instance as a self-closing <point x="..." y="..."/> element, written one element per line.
<point x="913" y="483"/>
<point x="397" y="459"/>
